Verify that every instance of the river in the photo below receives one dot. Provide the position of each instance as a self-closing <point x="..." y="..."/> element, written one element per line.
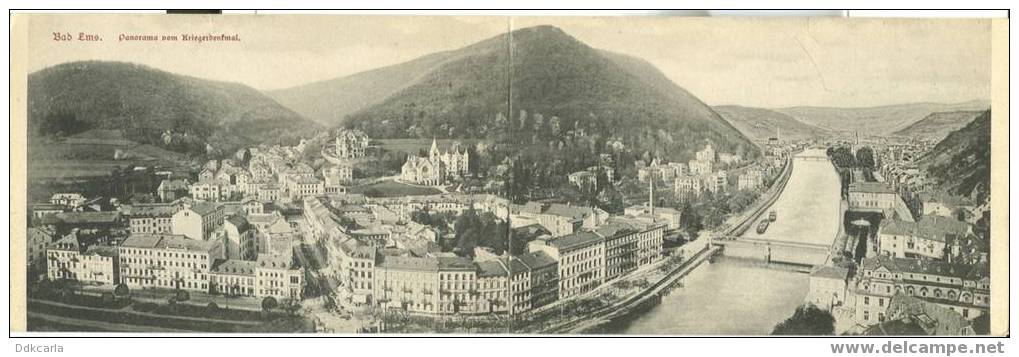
<point x="728" y="297"/>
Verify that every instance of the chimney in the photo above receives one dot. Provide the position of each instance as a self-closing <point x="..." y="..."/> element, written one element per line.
<point x="651" y="198"/>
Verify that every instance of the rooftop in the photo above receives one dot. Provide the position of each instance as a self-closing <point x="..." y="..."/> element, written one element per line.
<point x="870" y="187"/>
<point x="167" y="241"/>
<point x="575" y="240"/>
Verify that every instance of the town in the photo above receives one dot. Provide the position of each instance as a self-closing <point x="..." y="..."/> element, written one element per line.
<point x="272" y="229"/>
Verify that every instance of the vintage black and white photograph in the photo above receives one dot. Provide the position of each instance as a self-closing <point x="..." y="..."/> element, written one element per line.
<point x="520" y="175"/>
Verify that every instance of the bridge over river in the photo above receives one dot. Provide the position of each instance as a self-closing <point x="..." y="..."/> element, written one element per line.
<point x="809" y="216"/>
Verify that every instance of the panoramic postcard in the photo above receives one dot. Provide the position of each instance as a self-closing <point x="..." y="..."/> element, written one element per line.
<point x="506" y="175"/>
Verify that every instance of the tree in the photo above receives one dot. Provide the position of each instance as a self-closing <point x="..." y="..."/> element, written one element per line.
<point x="122" y="290"/>
<point x="269" y="303"/>
<point x="807" y="320"/>
<point x="865" y="157"/>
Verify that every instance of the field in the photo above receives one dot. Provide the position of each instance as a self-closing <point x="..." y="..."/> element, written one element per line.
<point x="391" y="188"/>
<point x="412" y="146"/>
<point x="92" y="154"/>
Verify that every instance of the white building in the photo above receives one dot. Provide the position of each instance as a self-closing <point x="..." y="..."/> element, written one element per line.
<point x="95" y="265"/>
<point x="167" y="261"/>
<point x="197" y="220"/>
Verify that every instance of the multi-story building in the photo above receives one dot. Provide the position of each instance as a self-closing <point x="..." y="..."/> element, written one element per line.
<point x="197" y="220"/>
<point x="409" y="283"/>
<point x="493" y="287"/>
<point x="932" y="237"/>
<point x="706" y="154"/>
<point x="167" y="261"/>
<point x="458" y="289"/>
<point x="356" y="262"/>
<point x="232" y="277"/>
<point x="544" y="272"/>
<point x="828" y="287"/>
<point x="302" y="186"/>
<point x="560" y="219"/>
<point x="351" y="143"/>
<point x="585" y="181"/>
<point x="581" y="258"/>
<point x="872" y="195"/>
<point x="692" y="185"/>
<point x="269" y="193"/>
<point x="437" y="168"/>
<point x="69" y="259"/>
<point x="240" y="238"/>
<point x="152" y="217"/>
<point x="276" y="276"/>
<point x="211" y="190"/>
<point x="70" y="200"/>
<point x="700" y="167"/>
<point x="38" y="240"/>
<point x="716" y="182"/>
<point x="750" y="180"/>
<point x="961" y="288"/>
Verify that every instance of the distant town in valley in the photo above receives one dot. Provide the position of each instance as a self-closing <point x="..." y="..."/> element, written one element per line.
<point x="414" y="199"/>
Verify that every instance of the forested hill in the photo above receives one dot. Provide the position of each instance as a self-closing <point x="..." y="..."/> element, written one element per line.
<point x="961" y="163"/>
<point x="540" y="86"/>
<point x="145" y="103"/>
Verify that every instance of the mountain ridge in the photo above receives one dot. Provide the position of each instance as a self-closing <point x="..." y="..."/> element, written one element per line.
<point x="146" y="102"/>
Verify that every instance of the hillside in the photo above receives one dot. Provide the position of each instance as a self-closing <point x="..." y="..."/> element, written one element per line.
<point x="145" y="102"/>
<point x="937" y="126"/>
<point x="883" y="120"/>
<point x="761" y="124"/>
<point x="961" y="163"/>
<point x="549" y="77"/>
<point x="328" y="102"/>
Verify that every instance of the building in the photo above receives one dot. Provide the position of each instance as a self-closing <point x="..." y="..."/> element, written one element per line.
<point x="691" y="185"/>
<point x="38" y="240"/>
<point x="232" y="277"/>
<point x="211" y="190"/>
<point x="872" y="195"/>
<point x="620" y="248"/>
<point x="933" y="236"/>
<point x="961" y="288"/>
<point x="197" y="220"/>
<point x="581" y="258"/>
<point x="750" y="180"/>
<point x="356" y="264"/>
<point x="276" y="276"/>
<point x="300" y="186"/>
<point x="69" y="200"/>
<point x="408" y="283"/>
<point x="170" y="190"/>
<point x="944" y="205"/>
<point x="544" y="272"/>
<point x="700" y="167"/>
<point x="168" y="261"/>
<point x="670" y="217"/>
<point x="152" y="217"/>
<point x="707" y="154"/>
<point x="457" y="285"/>
<point x="716" y="182"/>
<point x="351" y="143"/>
<point x="585" y="181"/>
<point x="828" y="287"/>
<point x="560" y="219"/>
<point x="493" y="287"/>
<point x="240" y="238"/>
<point x="68" y="259"/>
<point x="437" y="168"/>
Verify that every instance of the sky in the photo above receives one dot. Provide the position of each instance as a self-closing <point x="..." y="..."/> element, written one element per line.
<point x="764" y="62"/>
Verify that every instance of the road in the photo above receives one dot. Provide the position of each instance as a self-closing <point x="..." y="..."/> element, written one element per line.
<point x="808" y="209"/>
